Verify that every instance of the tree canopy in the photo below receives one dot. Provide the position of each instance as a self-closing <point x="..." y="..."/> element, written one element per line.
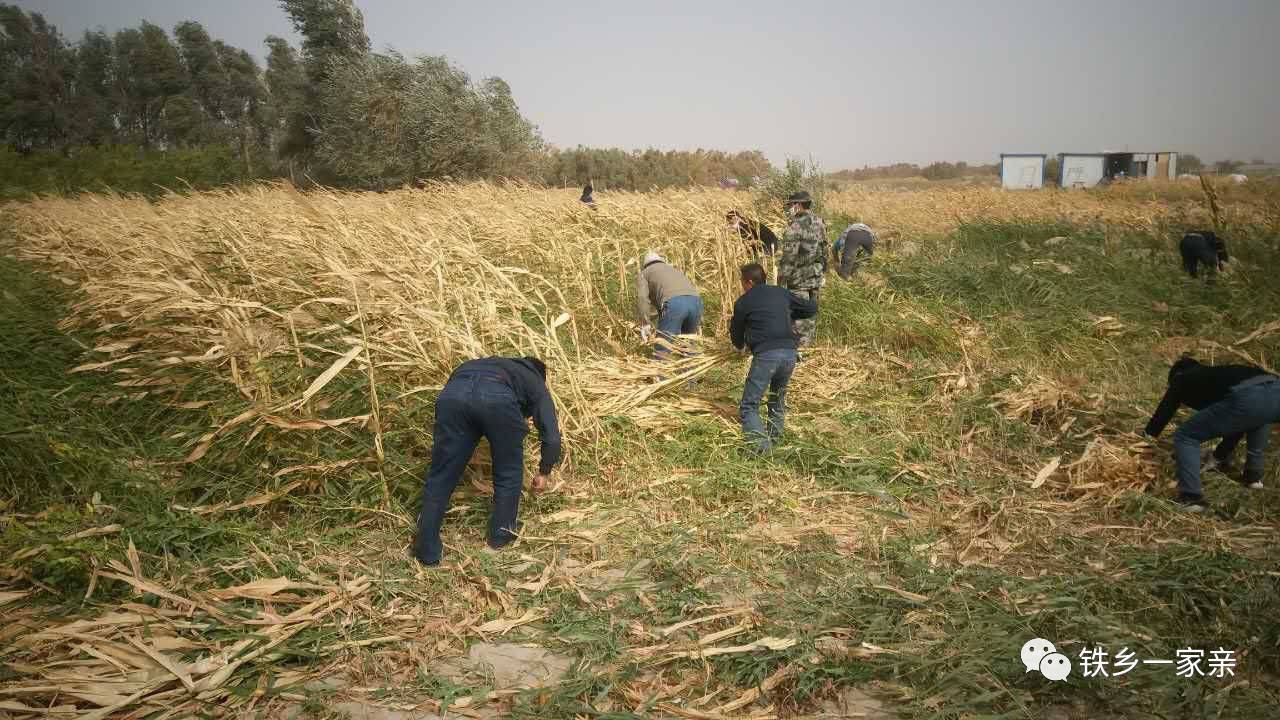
<point x="330" y="110"/>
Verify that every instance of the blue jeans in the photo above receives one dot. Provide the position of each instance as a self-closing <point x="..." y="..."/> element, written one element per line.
<point x="770" y="370"/>
<point x="681" y="315"/>
<point x="1248" y="409"/>
<point x="468" y="408"/>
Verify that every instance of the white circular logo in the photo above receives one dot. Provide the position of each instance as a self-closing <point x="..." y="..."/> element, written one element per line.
<point x="1055" y="666"/>
<point x="1034" y="651"/>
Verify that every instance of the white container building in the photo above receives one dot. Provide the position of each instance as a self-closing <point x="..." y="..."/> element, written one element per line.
<point x="1085" y="170"/>
<point x="1021" y="171"/>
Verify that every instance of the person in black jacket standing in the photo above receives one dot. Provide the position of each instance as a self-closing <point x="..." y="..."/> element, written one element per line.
<point x="490" y="398"/>
<point x="762" y="319"/>
<point x="1234" y="401"/>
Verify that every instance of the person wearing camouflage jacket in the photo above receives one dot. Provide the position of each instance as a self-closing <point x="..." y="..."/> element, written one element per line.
<point x="802" y="266"/>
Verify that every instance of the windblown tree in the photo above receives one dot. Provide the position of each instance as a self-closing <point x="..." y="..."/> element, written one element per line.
<point x="202" y="103"/>
<point x="93" y="101"/>
<point x="642" y="170"/>
<point x="149" y="77"/>
<point x="333" y="38"/>
<point x="244" y="107"/>
<point x="386" y="121"/>
<point x="36" y="74"/>
<point x="227" y="92"/>
<point x="287" y="87"/>
<point x="143" y="107"/>
<point x="139" y="87"/>
<point x="514" y="147"/>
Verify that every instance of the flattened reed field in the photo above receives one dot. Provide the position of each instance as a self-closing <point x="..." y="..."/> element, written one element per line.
<point x="212" y="461"/>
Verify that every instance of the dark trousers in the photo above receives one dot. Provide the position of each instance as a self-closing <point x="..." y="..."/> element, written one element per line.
<point x="851" y="259"/>
<point x="1227" y="446"/>
<point x="471" y="407"/>
<point x="805" y="329"/>
<point x="1248" y="410"/>
<point x="770" y="371"/>
<point x="1198" y="250"/>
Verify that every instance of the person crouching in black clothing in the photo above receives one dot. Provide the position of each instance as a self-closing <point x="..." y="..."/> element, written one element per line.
<point x="1203" y="247"/>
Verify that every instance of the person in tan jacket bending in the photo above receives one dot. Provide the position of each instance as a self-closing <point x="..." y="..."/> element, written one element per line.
<point x="664" y="289"/>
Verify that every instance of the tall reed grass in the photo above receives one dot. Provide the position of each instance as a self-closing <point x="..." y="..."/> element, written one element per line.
<point x="277" y="292"/>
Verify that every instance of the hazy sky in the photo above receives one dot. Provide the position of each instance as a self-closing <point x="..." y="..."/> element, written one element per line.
<point x="848" y="83"/>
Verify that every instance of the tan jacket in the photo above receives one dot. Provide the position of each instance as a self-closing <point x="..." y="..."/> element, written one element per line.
<point x="655" y="285"/>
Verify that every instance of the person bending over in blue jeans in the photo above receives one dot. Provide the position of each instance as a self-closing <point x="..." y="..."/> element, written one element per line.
<point x="1248" y="407"/>
<point x="1198" y="386"/>
<point x="762" y="321"/>
<point x="662" y="287"/>
<point x="490" y="398"/>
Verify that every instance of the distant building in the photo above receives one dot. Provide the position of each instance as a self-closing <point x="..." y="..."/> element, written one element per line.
<point x="1085" y="170"/>
<point x="1021" y="171"/>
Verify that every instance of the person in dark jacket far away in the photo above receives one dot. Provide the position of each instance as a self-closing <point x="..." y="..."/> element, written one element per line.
<point x="1203" y="248"/>
<point x="586" y="196"/>
<point x="757" y="235"/>
<point x="1233" y="401"/>
<point x="855" y="244"/>
<point x="490" y="398"/>
<point x="762" y="319"/>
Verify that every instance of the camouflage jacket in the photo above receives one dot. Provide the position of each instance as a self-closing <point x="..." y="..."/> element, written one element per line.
<point x="805" y="253"/>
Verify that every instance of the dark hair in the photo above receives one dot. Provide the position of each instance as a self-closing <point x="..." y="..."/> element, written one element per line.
<point x="732" y="214"/>
<point x="1182" y="365"/>
<point x="753" y="273"/>
<point x="587" y="189"/>
<point x="538" y="365"/>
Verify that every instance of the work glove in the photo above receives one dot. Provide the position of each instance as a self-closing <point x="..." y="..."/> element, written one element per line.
<point x="645" y="332"/>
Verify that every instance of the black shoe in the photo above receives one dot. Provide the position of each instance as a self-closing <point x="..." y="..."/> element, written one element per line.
<point x="1251" y="480"/>
<point x="413" y="553"/>
<point x="1192" y="503"/>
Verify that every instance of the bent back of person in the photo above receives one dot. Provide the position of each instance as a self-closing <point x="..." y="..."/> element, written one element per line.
<point x="1202" y="249"/>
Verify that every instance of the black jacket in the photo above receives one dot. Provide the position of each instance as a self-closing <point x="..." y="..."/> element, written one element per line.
<point x="757" y="233"/>
<point x="531" y="392"/>
<point x="762" y="318"/>
<point x="1198" y="387"/>
<point x="1202" y="247"/>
